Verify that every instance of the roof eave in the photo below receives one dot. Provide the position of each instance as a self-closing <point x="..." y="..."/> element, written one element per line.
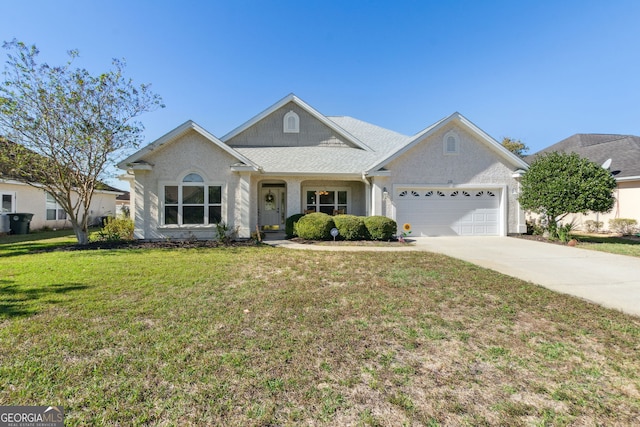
<point x="628" y="178"/>
<point x="421" y="136"/>
<point x="176" y="133"/>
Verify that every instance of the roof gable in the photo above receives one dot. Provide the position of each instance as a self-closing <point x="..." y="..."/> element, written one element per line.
<point x="431" y="130"/>
<point x="173" y="136"/>
<point x="341" y="132"/>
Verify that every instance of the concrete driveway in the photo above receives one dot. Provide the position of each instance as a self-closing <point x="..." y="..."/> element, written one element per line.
<point x="606" y="279"/>
<point x="610" y="280"/>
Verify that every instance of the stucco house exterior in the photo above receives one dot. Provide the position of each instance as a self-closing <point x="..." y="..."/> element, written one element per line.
<point x="618" y="153"/>
<point x="17" y="196"/>
<point x="449" y="179"/>
<point x="20" y="197"/>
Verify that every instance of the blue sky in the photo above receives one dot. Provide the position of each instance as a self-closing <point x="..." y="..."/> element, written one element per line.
<point x="538" y="71"/>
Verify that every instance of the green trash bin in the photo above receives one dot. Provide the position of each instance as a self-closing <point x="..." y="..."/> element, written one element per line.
<point x="19" y="222"/>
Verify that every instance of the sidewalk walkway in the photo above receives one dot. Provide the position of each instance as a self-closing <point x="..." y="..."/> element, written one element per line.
<point x="606" y="279"/>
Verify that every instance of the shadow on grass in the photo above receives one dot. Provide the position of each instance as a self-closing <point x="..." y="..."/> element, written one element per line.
<point x="15" y="301"/>
<point x="608" y="239"/>
<point x="22" y="244"/>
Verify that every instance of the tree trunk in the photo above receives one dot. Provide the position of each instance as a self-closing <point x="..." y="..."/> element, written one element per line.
<point x="82" y="234"/>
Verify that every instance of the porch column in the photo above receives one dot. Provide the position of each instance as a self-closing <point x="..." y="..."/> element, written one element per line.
<point x="294" y="196"/>
<point x="376" y="198"/>
<point x="241" y="218"/>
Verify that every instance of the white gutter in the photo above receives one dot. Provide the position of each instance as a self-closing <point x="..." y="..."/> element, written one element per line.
<point x="628" y="178"/>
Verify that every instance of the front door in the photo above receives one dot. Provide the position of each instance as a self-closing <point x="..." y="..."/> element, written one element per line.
<point x="272" y="208"/>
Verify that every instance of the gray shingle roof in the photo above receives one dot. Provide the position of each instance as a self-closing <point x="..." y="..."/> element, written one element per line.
<point x="379" y="139"/>
<point x="329" y="160"/>
<point x="320" y="160"/>
<point x="623" y="150"/>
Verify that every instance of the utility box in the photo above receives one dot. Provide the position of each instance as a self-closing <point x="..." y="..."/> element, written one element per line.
<point x="5" y="227"/>
<point x="20" y="222"/>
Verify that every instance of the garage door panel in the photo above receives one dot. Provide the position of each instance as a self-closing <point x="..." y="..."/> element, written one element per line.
<point x="443" y="213"/>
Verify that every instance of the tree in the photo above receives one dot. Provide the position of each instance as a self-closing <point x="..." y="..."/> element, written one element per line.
<point x="516" y="146"/>
<point x="69" y="125"/>
<point x="558" y="184"/>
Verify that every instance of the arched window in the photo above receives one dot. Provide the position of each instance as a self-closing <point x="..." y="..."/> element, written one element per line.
<point x="291" y="123"/>
<point x="192" y="202"/>
<point x="450" y="143"/>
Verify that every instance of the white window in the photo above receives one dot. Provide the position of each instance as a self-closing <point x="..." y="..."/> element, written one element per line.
<point x="192" y="202"/>
<point x="451" y="144"/>
<point x="54" y="210"/>
<point x="291" y="123"/>
<point x="331" y="201"/>
<point x="8" y="201"/>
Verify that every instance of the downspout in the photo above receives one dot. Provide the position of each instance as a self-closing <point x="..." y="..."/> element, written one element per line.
<point x="367" y="194"/>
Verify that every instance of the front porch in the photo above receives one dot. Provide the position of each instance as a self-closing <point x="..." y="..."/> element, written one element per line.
<point x="278" y="199"/>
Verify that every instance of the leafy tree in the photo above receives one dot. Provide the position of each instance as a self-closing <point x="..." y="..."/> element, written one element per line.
<point x="516" y="146"/>
<point x="558" y="184"/>
<point x="69" y="124"/>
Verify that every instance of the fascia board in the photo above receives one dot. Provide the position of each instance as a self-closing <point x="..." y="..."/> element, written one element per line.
<point x="175" y="134"/>
<point x="628" y="178"/>
<point x="421" y="136"/>
<point x="309" y="109"/>
<point x="321" y="175"/>
<point x="517" y="161"/>
<point x="42" y="187"/>
<point x="412" y="142"/>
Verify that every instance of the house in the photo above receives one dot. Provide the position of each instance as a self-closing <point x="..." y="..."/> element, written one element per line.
<point x="449" y="179"/>
<point x="123" y="205"/>
<point x="19" y="197"/>
<point x="618" y="153"/>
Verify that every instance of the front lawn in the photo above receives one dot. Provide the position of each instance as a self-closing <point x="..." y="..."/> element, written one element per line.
<point x="612" y="244"/>
<point x="267" y="336"/>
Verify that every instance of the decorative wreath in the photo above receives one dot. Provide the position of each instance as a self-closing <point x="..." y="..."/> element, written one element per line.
<point x="269" y="198"/>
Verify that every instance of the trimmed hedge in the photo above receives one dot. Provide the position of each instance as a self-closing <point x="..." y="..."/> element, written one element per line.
<point x="380" y="227"/>
<point x="315" y="226"/>
<point x="290" y="224"/>
<point x="351" y="227"/>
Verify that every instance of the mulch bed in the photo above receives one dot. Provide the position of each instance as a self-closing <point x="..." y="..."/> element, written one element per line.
<point x="142" y="244"/>
<point x="351" y="242"/>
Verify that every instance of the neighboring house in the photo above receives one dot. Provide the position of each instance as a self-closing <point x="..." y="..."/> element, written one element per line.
<point x="621" y="155"/>
<point x="20" y="197"/>
<point x="123" y="204"/>
<point x="449" y="179"/>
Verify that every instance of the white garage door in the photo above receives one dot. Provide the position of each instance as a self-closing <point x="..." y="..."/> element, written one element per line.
<point x="440" y="212"/>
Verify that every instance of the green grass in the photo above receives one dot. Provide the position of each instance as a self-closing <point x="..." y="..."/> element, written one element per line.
<point x="611" y="244"/>
<point x="266" y="336"/>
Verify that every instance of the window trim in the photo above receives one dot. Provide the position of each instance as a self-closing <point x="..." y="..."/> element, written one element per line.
<point x="336" y="203"/>
<point x="296" y="122"/>
<point x="180" y="205"/>
<point x="60" y="214"/>
<point x="445" y="144"/>
<point x="12" y="197"/>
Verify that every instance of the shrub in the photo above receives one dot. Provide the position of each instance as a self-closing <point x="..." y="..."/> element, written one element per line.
<point x="535" y="228"/>
<point x="225" y="233"/>
<point x="623" y="226"/>
<point x="564" y="231"/>
<point x="290" y="224"/>
<point x="116" y="229"/>
<point x="592" y="226"/>
<point x="351" y="227"/>
<point x="380" y="227"/>
<point x="315" y="226"/>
